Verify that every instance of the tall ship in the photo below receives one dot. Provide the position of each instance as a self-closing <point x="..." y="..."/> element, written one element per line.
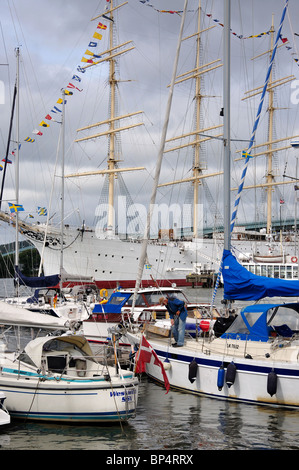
<point x="101" y="252"/>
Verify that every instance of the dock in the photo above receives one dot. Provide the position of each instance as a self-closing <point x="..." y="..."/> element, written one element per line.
<point x="205" y="279"/>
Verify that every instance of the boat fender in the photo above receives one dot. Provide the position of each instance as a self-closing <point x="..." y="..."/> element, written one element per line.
<point x="204" y="325"/>
<point x="192" y="371"/>
<point x="231" y="374"/>
<point x="220" y="377"/>
<point x="272" y="383"/>
<point x="167" y="364"/>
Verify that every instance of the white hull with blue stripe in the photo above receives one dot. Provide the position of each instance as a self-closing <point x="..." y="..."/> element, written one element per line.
<point x="255" y="361"/>
<point x="57" y="379"/>
<point x="250" y="382"/>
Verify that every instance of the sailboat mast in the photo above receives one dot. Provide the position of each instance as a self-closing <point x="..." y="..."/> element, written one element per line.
<point x="226" y="126"/>
<point x="159" y="162"/>
<point x="112" y="137"/>
<point x="226" y="141"/>
<point x="196" y="168"/>
<point x="270" y="176"/>
<point x="62" y="185"/>
<point x="17" y="154"/>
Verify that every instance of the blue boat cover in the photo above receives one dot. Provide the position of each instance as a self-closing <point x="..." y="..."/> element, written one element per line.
<point x="255" y="322"/>
<point x="256" y="329"/>
<point x="115" y="303"/>
<point x="41" y="281"/>
<point x="240" y="284"/>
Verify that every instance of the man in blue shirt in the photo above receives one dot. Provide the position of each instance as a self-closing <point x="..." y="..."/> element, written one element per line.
<point x="178" y="314"/>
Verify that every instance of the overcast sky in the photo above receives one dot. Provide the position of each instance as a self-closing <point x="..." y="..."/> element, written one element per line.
<point x="53" y="37"/>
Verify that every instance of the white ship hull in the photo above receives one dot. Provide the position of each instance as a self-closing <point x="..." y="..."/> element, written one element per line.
<point x="112" y="261"/>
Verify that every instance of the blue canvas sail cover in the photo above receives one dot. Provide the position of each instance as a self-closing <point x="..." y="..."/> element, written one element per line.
<point x="41" y="281"/>
<point x="240" y="284"/>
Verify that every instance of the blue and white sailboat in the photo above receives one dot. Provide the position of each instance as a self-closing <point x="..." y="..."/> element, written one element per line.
<point x="251" y="357"/>
<point x="57" y="379"/>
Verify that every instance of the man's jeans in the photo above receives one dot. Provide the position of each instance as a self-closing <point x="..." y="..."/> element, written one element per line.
<point x="178" y="330"/>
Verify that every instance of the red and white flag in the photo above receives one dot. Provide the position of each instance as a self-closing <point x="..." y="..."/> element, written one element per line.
<point x="146" y="355"/>
<point x="37" y="132"/>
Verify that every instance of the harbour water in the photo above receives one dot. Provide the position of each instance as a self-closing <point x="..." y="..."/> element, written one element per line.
<point x="167" y="423"/>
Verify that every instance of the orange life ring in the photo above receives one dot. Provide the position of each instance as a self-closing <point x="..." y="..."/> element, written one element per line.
<point x="294" y="259"/>
<point x="104" y="293"/>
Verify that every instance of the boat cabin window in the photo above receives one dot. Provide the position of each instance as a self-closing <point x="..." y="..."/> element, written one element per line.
<point x="23" y="357"/>
<point x="140" y="301"/>
<point x="153" y="298"/>
<point x="116" y="300"/>
<point x="178" y="295"/>
<point x="251" y="318"/>
<point x="283" y="316"/>
<point x="57" y="364"/>
<point x="238" y="327"/>
<point x="15" y="337"/>
<point x="56" y="345"/>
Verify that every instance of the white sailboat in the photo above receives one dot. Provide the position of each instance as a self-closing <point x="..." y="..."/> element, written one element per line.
<point x="58" y="379"/>
<point x="4" y="415"/>
<point x="252" y="357"/>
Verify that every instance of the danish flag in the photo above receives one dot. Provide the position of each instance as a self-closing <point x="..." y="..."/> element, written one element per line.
<point x="145" y="356"/>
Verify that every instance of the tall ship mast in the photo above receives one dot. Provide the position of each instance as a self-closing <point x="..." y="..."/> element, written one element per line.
<point x="199" y="135"/>
<point x="114" y="121"/>
<point x="270" y="145"/>
<point x="100" y="252"/>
